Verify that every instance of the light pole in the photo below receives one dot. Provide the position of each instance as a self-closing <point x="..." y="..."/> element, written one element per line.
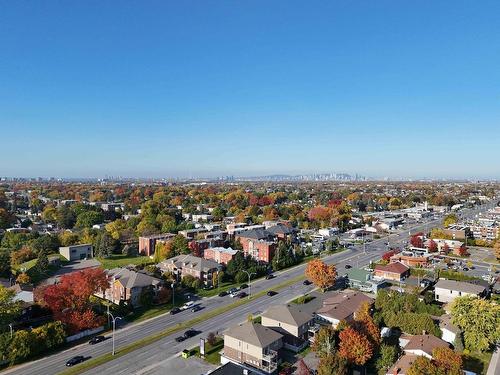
<point x="114" y="328"/>
<point x="249" y="285"/>
<point x="11" y="330"/>
<point x="173" y="294"/>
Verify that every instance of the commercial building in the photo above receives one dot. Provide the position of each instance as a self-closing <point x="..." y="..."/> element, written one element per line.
<point x="77" y="252"/>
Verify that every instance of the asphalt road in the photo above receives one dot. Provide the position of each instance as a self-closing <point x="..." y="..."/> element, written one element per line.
<point x="149" y="359"/>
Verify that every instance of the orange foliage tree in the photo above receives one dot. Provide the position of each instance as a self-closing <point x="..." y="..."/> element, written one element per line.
<point x="321" y="274"/>
<point x="447" y="360"/>
<point x="354" y="347"/>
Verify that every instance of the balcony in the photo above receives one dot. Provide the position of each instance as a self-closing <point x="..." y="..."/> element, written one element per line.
<point x="270" y="361"/>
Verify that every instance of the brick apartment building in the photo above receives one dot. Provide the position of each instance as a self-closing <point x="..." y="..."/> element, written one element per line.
<point x="147" y="243"/>
<point x="220" y="254"/>
<point x="258" y="243"/>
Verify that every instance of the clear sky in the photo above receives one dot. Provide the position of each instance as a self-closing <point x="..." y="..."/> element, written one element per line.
<point x="204" y="88"/>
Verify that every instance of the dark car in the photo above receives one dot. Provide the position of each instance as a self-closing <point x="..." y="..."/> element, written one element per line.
<point x="75" y="360"/>
<point x="243" y="286"/>
<point x="175" y="310"/>
<point x="270" y="276"/>
<point x="97" y="340"/>
<point x="271" y="293"/>
<point x="222" y="294"/>
<point x="180" y="338"/>
<point x="307" y="282"/>
<point x="196" y="308"/>
<point x="242" y="295"/>
<point x="190" y="333"/>
<point x="347" y="266"/>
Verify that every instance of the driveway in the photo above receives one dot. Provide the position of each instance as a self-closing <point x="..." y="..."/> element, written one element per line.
<point x="73" y="266"/>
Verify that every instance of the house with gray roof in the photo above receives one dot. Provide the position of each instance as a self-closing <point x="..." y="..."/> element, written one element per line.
<point x="446" y="291"/>
<point x="252" y="345"/>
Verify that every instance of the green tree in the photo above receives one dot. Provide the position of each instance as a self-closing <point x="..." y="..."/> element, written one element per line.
<point x="386" y="357"/>
<point x="332" y="364"/>
<point x="449" y="219"/>
<point x="423" y="366"/>
<point x="9" y="309"/>
<point x="87" y="219"/>
<point x="105" y="245"/>
<point x="65" y="217"/>
<point x="42" y="263"/>
<point x="22" y="346"/>
<point x="324" y="341"/>
<point x="479" y="319"/>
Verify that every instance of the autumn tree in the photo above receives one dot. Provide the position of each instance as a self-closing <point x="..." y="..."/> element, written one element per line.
<point x="321" y="274"/>
<point x="23" y="278"/>
<point x="355" y="347"/>
<point x="423" y="366"/>
<point x="365" y="325"/>
<point x="9" y="309"/>
<point x="449" y="219"/>
<point x="69" y="300"/>
<point x="324" y="341"/>
<point x="432" y="246"/>
<point x="416" y="240"/>
<point x="447" y="360"/>
<point x="332" y="364"/>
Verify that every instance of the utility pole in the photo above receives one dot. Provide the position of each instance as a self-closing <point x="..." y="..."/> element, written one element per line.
<point x="114" y="329"/>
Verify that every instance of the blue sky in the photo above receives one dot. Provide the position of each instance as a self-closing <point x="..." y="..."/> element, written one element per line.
<point x="205" y="88"/>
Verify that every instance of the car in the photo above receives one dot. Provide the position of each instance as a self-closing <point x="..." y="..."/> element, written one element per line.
<point x="96" y="340"/>
<point x="232" y="290"/>
<point x="270" y="276"/>
<point x="271" y="293"/>
<point x="307" y="282"/>
<point x="190" y="333"/>
<point x="242" y="295"/>
<point x="75" y="360"/>
<point x="188" y="305"/>
<point x="347" y="266"/>
<point x="196" y="308"/>
<point x="223" y="294"/>
<point x="243" y="286"/>
<point x="233" y="294"/>
<point x="180" y="338"/>
<point x="175" y="310"/>
<point x="465" y="269"/>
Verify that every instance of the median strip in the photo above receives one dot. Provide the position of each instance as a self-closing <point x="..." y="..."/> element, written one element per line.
<point x="94" y="362"/>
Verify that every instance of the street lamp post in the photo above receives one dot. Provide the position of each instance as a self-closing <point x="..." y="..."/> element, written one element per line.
<point x="114" y="319"/>
<point x="11" y="330"/>
<point x="173" y="294"/>
<point x="249" y="285"/>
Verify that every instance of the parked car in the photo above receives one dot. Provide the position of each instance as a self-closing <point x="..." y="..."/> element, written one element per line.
<point x="96" y="340"/>
<point x="270" y="276"/>
<point x="243" y="286"/>
<point x="175" y="310"/>
<point x="307" y="282"/>
<point x="223" y="294"/>
<point x="271" y="293"/>
<point x="75" y="360"/>
<point x="242" y="295"/>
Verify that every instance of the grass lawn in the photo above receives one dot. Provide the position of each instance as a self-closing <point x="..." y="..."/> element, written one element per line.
<point x="121" y="260"/>
<point x="211" y="352"/>
<point x="477" y="362"/>
<point x="303" y="299"/>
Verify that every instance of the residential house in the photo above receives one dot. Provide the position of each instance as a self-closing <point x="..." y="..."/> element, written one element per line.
<point x="220" y="255"/>
<point x="292" y="322"/>
<point x="184" y="265"/>
<point x="421" y="344"/>
<point x="402" y="365"/>
<point x="253" y="345"/>
<point x="449" y="330"/>
<point x="147" y="243"/>
<point x="342" y="306"/>
<point x="446" y="291"/>
<point x="258" y="243"/>
<point x="128" y="286"/>
<point x="363" y="280"/>
<point x="393" y="271"/>
<point x="283" y="232"/>
<point x="77" y="252"/>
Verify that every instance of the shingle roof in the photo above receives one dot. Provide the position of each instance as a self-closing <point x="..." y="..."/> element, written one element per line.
<point x="395" y="267"/>
<point x="402" y="365"/>
<point x="460" y="286"/>
<point x="197" y="263"/>
<point x="445" y="322"/>
<point x="132" y="279"/>
<point x="256" y="234"/>
<point x="343" y="305"/>
<point x="281" y="229"/>
<point x="288" y="314"/>
<point x="254" y="334"/>
<point x="425" y="343"/>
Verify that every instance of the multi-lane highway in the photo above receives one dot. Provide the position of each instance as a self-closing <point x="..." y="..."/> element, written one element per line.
<point x="148" y="359"/>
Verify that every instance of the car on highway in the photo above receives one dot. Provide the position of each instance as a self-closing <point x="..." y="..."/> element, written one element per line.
<point x="347" y="266"/>
<point x="75" y="360"/>
<point x="96" y="340"/>
<point x="188" y="305"/>
<point x="232" y="290"/>
<point x="243" y="286"/>
<point x="175" y="310"/>
<point x="307" y="282"/>
<point x="223" y="294"/>
<point x="190" y="333"/>
<point x="271" y="293"/>
<point x="196" y="308"/>
<point x="233" y="294"/>
<point x="242" y="294"/>
<point x="180" y="338"/>
<point x="270" y="276"/>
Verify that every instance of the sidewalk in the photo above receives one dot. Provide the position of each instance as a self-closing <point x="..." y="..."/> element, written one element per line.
<point x="494" y="367"/>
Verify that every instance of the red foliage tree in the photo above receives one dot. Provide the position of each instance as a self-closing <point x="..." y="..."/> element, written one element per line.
<point x="432" y="246"/>
<point x="387" y="255"/>
<point x="354" y="347"/>
<point x="416" y="240"/>
<point x="321" y="274"/>
<point x="69" y="300"/>
<point x="319" y="213"/>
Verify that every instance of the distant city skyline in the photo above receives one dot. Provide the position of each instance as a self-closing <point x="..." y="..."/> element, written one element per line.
<point x="181" y="89"/>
